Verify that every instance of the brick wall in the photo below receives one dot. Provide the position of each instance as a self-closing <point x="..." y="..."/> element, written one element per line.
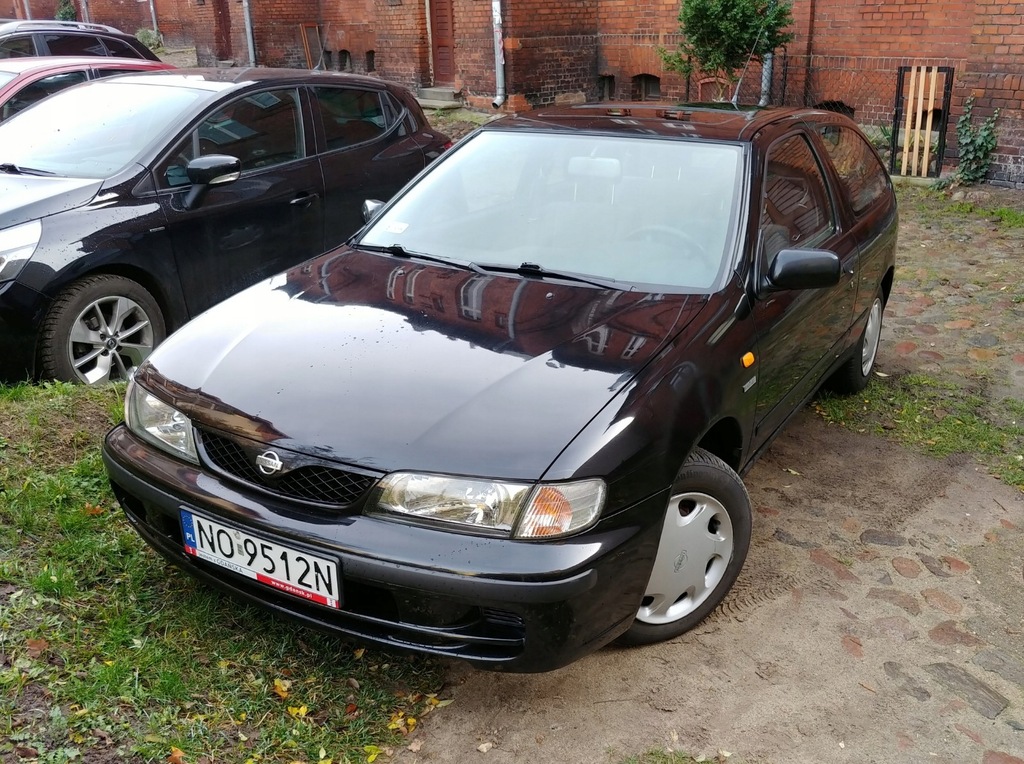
<point x="402" y="53"/>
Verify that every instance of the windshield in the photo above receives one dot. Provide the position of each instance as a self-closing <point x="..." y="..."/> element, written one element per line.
<point x="632" y="209"/>
<point x="6" y="77"/>
<point x="92" y="131"/>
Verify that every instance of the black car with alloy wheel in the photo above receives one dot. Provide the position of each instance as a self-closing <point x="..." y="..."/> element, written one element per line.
<point x="130" y="204"/>
<point x="506" y="422"/>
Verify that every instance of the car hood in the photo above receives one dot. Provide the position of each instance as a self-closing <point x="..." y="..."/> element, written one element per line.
<point x="32" y="197"/>
<point x="391" y="364"/>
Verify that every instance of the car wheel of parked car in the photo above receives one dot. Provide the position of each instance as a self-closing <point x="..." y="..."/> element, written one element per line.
<point x="99" y="329"/>
<point x="853" y="376"/>
<point x="703" y="544"/>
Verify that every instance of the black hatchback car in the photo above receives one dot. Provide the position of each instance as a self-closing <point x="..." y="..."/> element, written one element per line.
<point x="506" y="421"/>
<point x="45" y="37"/>
<point x="130" y="204"/>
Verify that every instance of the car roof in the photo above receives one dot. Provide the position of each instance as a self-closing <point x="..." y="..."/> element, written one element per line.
<point x="708" y="121"/>
<point x="36" y="25"/>
<point x="33" y="63"/>
<point x="216" y="79"/>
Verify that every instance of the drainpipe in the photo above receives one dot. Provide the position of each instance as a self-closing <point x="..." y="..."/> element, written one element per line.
<point x="152" y="15"/>
<point x="85" y="11"/>
<point x="28" y="10"/>
<point x="499" y="55"/>
<point x="250" y="40"/>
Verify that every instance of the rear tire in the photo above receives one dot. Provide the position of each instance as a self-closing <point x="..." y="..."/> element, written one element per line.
<point x="704" y="541"/>
<point x="99" y="330"/>
<point x="854" y="374"/>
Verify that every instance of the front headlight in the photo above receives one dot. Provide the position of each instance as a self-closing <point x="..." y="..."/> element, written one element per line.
<point x="17" y="244"/>
<point x="520" y="510"/>
<point x="159" y="423"/>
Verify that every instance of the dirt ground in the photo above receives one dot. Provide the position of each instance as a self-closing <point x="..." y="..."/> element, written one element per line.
<point x="880" y="615"/>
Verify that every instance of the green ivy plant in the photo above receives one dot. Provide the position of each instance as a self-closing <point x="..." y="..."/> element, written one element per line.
<point x="976" y="145"/>
<point x="66" y="11"/>
<point x="721" y="35"/>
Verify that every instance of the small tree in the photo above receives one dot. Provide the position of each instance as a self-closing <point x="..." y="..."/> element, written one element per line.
<point x="66" y="11"/>
<point x="721" y="35"/>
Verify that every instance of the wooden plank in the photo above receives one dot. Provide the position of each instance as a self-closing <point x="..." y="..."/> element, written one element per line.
<point x="928" y="128"/>
<point x="906" y="127"/>
<point x="917" y="127"/>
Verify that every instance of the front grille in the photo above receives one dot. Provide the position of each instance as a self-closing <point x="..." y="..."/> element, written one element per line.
<point x="309" y="482"/>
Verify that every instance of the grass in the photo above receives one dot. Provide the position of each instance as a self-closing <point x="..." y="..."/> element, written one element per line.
<point x="936" y="417"/>
<point x="108" y="654"/>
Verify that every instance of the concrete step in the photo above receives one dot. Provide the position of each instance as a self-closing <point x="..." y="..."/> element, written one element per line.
<point x="438" y="94"/>
<point x="430" y="103"/>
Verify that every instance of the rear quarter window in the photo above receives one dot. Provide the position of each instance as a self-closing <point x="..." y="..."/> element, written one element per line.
<point x="863" y="177"/>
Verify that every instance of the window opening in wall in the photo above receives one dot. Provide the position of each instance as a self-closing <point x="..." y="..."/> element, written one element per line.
<point x="344" y="61"/>
<point x="369" y="61"/>
<point x="646" y="87"/>
<point x="606" y="87"/>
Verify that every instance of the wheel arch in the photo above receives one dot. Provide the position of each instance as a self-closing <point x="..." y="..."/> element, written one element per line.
<point x="724" y="439"/>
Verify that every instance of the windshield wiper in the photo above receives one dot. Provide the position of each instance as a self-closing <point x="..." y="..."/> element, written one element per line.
<point x="539" y="271"/>
<point x="12" y="169"/>
<point x="397" y="250"/>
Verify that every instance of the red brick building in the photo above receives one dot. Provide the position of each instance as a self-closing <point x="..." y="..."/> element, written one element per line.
<point x="846" y="51"/>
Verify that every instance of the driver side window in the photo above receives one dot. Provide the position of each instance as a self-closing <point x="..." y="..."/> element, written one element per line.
<point x="795" y="208"/>
<point x="260" y="129"/>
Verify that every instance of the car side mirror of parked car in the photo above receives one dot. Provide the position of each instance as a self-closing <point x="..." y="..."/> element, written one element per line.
<point x="803" y="269"/>
<point x="370" y="209"/>
<point x="207" y="171"/>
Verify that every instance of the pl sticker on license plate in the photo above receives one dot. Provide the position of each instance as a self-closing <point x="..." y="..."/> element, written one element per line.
<point x="298" y="573"/>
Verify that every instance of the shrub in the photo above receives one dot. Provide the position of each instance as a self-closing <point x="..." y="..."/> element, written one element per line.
<point x="66" y="11"/>
<point x="149" y="38"/>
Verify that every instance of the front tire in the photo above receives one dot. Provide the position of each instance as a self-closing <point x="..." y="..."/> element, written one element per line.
<point x="99" y="330"/>
<point x="704" y="542"/>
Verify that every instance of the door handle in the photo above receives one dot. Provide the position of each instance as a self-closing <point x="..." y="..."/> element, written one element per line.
<point x="303" y="200"/>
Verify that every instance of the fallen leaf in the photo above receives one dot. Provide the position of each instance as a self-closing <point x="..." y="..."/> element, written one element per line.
<point x="359" y="653"/>
<point x="415" y="745"/>
<point x="281" y="687"/>
<point x="36" y="647"/>
<point x="94" y="509"/>
<point x="353" y="683"/>
<point x="485" y="747"/>
<point x="792" y="471"/>
<point x="298" y="711"/>
<point x="372" y="752"/>
<point x="177" y="756"/>
<point x="443" y="703"/>
<point x="351" y="708"/>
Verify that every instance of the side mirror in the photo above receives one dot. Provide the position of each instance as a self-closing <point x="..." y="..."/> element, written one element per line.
<point x="803" y="269"/>
<point x="207" y="171"/>
<point x="370" y="209"/>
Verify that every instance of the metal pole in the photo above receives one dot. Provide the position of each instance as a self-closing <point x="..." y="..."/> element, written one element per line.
<point x="28" y="10"/>
<point x="152" y="13"/>
<point x="250" y="40"/>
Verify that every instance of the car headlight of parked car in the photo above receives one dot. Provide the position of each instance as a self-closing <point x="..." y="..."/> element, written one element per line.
<point x="17" y="244"/>
<point x="520" y="510"/>
<point x="159" y="423"/>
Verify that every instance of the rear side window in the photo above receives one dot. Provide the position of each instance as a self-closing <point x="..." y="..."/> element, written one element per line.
<point x="862" y="175"/>
<point x="350" y="116"/>
<point x="74" y="45"/>
<point x="17" y="47"/>
<point x="119" y="48"/>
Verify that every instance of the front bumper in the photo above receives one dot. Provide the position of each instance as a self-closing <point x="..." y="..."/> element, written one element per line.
<point x="500" y="604"/>
<point x="18" y="306"/>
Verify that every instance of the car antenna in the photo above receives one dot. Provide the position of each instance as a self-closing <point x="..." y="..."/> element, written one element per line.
<point x="736" y="91"/>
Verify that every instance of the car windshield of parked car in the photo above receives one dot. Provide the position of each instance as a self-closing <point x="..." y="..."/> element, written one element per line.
<point x="638" y="210"/>
<point x="92" y="131"/>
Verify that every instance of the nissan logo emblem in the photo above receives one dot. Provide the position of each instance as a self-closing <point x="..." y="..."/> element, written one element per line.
<point x="269" y="463"/>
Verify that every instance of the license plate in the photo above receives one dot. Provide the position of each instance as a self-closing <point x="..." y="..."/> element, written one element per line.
<point x="283" y="567"/>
